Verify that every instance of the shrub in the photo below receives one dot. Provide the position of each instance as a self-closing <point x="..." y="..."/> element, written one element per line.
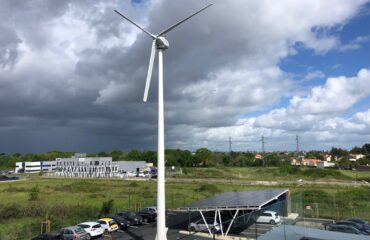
<point x="34" y="193"/>
<point x="323" y="173"/>
<point x="211" y="188"/>
<point x="133" y="185"/>
<point x="11" y="211"/>
<point x="106" y="207"/>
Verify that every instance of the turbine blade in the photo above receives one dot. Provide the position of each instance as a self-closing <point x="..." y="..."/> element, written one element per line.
<point x="142" y="29"/>
<point x="150" y="70"/>
<point x="176" y="24"/>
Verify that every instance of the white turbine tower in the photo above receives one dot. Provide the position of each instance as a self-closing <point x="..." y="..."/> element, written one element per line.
<point x="161" y="44"/>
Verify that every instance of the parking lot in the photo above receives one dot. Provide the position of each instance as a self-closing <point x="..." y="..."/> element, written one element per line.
<point x="257" y="230"/>
<point x="147" y="232"/>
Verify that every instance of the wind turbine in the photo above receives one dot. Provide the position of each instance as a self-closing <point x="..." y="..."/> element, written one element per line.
<point x="159" y="43"/>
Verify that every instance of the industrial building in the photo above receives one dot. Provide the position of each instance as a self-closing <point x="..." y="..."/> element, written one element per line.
<point x="35" y="167"/>
<point x="81" y="166"/>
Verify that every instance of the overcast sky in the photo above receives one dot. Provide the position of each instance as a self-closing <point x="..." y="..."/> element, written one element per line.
<point x="72" y="75"/>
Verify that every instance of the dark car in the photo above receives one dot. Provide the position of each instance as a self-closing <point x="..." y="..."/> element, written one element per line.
<point x="132" y="217"/>
<point x="147" y="216"/>
<point x="345" y="229"/>
<point x="122" y="223"/>
<point x="353" y="224"/>
<point x="48" y="236"/>
<point x="6" y="178"/>
<point x="365" y="224"/>
<point x="359" y="221"/>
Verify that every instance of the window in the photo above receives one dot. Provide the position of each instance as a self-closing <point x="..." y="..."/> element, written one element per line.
<point x="83" y="225"/>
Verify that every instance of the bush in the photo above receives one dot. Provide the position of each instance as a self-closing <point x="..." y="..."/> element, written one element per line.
<point x="106" y="207"/>
<point x="133" y="185"/>
<point x="323" y="173"/>
<point x="15" y="189"/>
<point x="11" y="211"/>
<point x="78" y="187"/>
<point x="34" y="193"/>
<point x="211" y="188"/>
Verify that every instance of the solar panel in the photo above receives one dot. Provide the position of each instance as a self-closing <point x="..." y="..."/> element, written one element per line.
<point x="237" y="200"/>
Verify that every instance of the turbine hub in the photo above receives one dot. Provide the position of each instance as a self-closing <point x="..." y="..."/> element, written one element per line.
<point x="162" y="43"/>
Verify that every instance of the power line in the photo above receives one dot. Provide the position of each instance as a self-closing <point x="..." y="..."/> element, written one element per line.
<point x="230" y="143"/>
<point x="263" y="150"/>
<point x="297" y="143"/>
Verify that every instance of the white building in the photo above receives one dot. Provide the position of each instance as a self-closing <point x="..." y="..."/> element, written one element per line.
<point x="325" y="164"/>
<point x="355" y="157"/>
<point x="81" y="166"/>
<point x="34" y="167"/>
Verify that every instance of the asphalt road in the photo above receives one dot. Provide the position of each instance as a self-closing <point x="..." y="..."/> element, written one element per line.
<point x="147" y="232"/>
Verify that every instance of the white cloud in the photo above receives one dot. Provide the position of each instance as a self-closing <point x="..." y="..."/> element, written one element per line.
<point x="302" y="116"/>
<point x="316" y="74"/>
<point x="337" y="95"/>
<point x="354" y="44"/>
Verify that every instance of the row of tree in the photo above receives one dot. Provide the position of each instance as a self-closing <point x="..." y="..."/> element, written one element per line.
<point x="202" y="157"/>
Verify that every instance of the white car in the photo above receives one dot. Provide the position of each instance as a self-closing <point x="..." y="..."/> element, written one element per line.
<point x="94" y="229"/>
<point x="200" y="226"/>
<point x="269" y="217"/>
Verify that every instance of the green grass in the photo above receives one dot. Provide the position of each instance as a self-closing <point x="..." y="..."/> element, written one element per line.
<point x="70" y="201"/>
<point x="356" y="175"/>
<point x="287" y="173"/>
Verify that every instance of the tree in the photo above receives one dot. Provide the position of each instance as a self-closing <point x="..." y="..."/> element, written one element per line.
<point x="356" y="150"/>
<point x="134" y="155"/>
<point x="366" y="149"/>
<point x="116" y="155"/>
<point x="204" y="157"/>
<point x="149" y="156"/>
<point x="338" y="152"/>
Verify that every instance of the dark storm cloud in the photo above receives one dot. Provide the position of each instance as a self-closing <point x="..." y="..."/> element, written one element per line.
<point x="8" y="47"/>
<point x="73" y="72"/>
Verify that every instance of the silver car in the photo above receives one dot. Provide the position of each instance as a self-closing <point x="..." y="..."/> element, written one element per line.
<point x="200" y="226"/>
<point x="74" y="233"/>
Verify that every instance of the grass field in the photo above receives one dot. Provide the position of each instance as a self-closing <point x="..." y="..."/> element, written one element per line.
<point x="70" y="201"/>
<point x="274" y="173"/>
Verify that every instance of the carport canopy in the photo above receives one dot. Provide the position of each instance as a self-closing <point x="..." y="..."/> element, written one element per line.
<point x="238" y="201"/>
<point x="246" y="200"/>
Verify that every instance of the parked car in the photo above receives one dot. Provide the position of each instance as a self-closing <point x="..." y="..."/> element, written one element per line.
<point x="74" y="233"/>
<point x="132" y="217"/>
<point x="345" y="229"/>
<point x="200" y="226"/>
<point x="148" y="216"/>
<point x="122" y="223"/>
<point x="48" y="236"/>
<point x="353" y="224"/>
<point x="365" y="224"/>
<point x="152" y="209"/>
<point x="108" y="224"/>
<point x="94" y="229"/>
<point x="270" y="217"/>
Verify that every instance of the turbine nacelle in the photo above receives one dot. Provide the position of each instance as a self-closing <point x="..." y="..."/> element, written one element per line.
<point x="161" y="43"/>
